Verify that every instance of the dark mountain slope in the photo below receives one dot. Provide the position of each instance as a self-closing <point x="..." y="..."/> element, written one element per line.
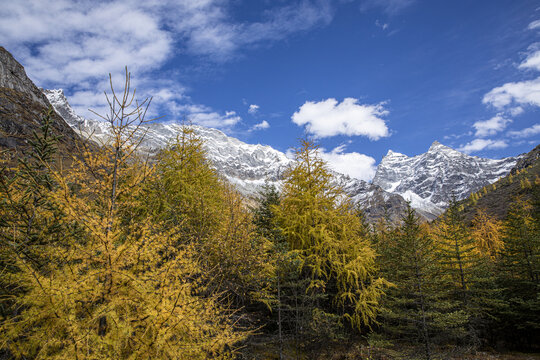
<point x="22" y="106"/>
<point x="523" y="180"/>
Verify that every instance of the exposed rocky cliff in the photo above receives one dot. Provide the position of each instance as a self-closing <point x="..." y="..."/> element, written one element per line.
<point x="22" y="106"/>
<point x="431" y="179"/>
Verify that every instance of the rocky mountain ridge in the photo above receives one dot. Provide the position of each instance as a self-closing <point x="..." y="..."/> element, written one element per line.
<point x="427" y="180"/>
<point x="431" y="179"/>
<point x="247" y="166"/>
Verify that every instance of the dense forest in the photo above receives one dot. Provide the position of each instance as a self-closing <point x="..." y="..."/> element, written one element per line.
<point x="113" y="255"/>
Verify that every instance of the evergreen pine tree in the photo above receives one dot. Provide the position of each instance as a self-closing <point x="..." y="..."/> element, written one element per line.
<point x="520" y="274"/>
<point x="467" y="275"/>
<point x="416" y="309"/>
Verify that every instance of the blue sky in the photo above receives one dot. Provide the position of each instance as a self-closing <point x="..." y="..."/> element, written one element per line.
<point x="361" y="77"/>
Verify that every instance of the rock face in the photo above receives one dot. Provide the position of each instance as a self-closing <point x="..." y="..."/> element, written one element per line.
<point x="527" y="160"/>
<point x="431" y="179"/>
<point x="13" y="76"/>
<point x="522" y="183"/>
<point x="22" y="105"/>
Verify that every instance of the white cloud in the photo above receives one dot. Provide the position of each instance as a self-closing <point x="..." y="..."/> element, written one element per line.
<point x="75" y="44"/>
<point x="534" y="25"/>
<point x="253" y="109"/>
<point x="491" y="126"/>
<point x="261" y="126"/>
<point x="208" y="28"/>
<point x="532" y="61"/>
<point x="356" y="165"/>
<point x="515" y="111"/>
<point x="391" y="7"/>
<point x="521" y="93"/>
<point x="527" y="132"/>
<point x="329" y="118"/>
<point x="214" y="119"/>
<point x="78" y="41"/>
<point x="482" y="144"/>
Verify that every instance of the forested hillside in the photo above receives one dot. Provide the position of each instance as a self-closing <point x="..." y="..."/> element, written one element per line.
<point x="113" y="256"/>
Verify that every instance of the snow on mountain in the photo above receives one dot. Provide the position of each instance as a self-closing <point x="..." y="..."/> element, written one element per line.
<point x="430" y="180"/>
<point x="247" y="166"/>
<point x="427" y="180"/>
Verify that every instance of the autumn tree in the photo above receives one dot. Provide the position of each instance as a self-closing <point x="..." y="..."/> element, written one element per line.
<point x="321" y="227"/>
<point x="467" y="275"/>
<point x="114" y="285"/>
<point x="487" y="233"/>
<point x="186" y="191"/>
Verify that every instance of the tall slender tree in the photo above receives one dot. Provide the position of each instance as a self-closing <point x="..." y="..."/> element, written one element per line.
<point x="468" y="275"/>
<point x="520" y="274"/>
<point x="410" y="303"/>
<point x="321" y="226"/>
<point x="113" y="286"/>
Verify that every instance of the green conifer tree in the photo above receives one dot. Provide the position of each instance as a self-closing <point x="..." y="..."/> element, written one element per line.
<point x="468" y="276"/>
<point x="416" y="309"/>
<point x="520" y="275"/>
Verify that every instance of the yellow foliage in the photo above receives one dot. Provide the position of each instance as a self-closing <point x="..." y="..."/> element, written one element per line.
<point x="487" y="233"/>
<point x="455" y="246"/>
<point x="525" y="183"/>
<point x="108" y="282"/>
<point x="319" y="222"/>
<point x="187" y="191"/>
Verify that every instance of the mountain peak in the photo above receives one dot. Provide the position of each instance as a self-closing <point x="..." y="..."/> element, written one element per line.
<point x="391" y="153"/>
<point x="13" y="76"/>
<point x="431" y="177"/>
<point x="437" y="145"/>
<point x="55" y="95"/>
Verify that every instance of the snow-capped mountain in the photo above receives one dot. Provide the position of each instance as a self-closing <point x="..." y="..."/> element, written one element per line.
<point x="427" y="180"/>
<point x="247" y="166"/>
<point x="430" y="180"/>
